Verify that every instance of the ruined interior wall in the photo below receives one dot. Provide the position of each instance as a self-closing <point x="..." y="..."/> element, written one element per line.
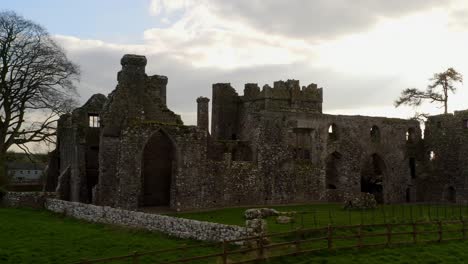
<point x="66" y="142"/>
<point x="136" y="98"/>
<point x="447" y="137"/>
<point x="224" y="118"/>
<point x="75" y="139"/>
<point x="190" y="185"/>
<point x="279" y="175"/>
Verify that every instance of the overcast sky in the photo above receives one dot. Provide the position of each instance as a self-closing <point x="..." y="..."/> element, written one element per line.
<point x="362" y="52"/>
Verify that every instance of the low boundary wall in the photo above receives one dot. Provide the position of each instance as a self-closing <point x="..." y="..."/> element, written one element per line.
<point x="174" y="226"/>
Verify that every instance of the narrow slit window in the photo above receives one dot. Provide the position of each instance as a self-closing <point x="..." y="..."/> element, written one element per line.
<point x="412" y="164"/>
<point x="332" y="132"/>
<point x="94" y="120"/>
<point x="375" y="134"/>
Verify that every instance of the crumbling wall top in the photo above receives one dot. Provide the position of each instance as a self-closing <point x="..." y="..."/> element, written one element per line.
<point x="133" y="63"/>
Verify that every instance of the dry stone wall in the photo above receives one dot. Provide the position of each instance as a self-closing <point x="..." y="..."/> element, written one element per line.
<point x="25" y="199"/>
<point x="178" y="227"/>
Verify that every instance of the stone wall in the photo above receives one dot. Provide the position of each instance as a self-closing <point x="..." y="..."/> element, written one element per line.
<point x="445" y="173"/>
<point x="137" y="98"/>
<point x="178" y="227"/>
<point x="78" y="148"/>
<point x="25" y="199"/>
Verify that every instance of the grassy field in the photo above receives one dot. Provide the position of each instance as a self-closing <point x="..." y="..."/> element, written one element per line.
<point x="33" y="236"/>
<point x="319" y="215"/>
<point x="453" y="252"/>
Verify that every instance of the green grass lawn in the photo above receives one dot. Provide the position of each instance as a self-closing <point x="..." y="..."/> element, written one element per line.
<point x="453" y="252"/>
<point x="35" y="236"/>
<point x="319" y="215"/>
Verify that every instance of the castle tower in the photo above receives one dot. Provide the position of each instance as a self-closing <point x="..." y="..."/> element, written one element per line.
<point x="202" y="112"/>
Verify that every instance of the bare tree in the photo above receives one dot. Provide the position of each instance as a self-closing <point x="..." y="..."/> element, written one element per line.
<point x="36" y="84"/>
<point x="444" y="80"/>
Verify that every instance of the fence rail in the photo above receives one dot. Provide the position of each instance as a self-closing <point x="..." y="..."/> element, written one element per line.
<point x="302" y="241"/>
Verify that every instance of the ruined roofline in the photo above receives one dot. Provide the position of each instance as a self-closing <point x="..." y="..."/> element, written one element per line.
<point x="380" y="118"/>
<point x="286" y="90"/>
<point x="377" y="118"/>
<point x="453" y="114"/>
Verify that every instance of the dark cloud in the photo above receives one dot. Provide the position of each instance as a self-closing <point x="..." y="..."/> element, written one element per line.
<point x="318" y="19"/>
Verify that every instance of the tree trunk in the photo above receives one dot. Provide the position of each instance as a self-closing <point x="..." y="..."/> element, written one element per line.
<point x="445" y="106"/>
<point x="445" y="98"/>
<point x="4" y="178"/>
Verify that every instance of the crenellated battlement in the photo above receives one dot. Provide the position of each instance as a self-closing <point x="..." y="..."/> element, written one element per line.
<point x="229" y="107"/>
<point x="284" y="90"/>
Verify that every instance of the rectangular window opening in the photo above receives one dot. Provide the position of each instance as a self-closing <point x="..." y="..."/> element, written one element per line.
<point x="93" y="120"/>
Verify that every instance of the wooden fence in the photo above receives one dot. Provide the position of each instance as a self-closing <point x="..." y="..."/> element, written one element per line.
<point x="330" y="238"/>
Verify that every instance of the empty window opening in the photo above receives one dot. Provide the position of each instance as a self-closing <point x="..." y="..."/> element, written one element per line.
<point x="372" y="177"/>
<point x="375" y="134"/>
<point x="332" y="170"/>
<point x="241" y="153"/>
<point x="93" y="120"/>
<point x="451" y="195"/>
<point x="439" y="124"/>
<point x="465" y="123"/>
<point x="412" y="165"/>
<point x="332" y="132"/>
<point x="410" y="135"/>
<point x="302" y="143"/>
<point x="301" y="154"/>
<point x="408" y="195"/>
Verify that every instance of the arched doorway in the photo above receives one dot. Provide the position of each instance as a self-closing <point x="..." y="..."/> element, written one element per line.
<point x="332" y="170"/>
<point x="372" y="176"/>
<point x="451" y="195"/>
<point x="157" y="163"/>
<point x="408" y="195"/>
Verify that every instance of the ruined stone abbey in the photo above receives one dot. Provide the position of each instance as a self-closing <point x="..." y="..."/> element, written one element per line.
<point x="271" y="145"/>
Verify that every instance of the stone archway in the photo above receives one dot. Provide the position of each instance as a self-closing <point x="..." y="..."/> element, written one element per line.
<point x="450" y="195"/>
<point x="372" y="177"/>
<point x="332" y="173"/>
<point x="157" y="169"/>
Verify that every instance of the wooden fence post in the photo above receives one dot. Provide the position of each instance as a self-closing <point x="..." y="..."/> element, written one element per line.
<point x="359" y="245"/>
<point x="389" y="235"/>
<point x="439" y="224"/>
<point x="224" y="252"/>
<point x="330" y="237"/>
<point x="463" y="229"/>
<point x="298" y="240"/>
<point x="302" y="220"/>
<point x="260" y="246"/>
<point x="135" y="258"/>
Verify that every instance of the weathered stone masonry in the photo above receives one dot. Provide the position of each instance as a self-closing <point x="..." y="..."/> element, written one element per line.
<point x="268" y="146"/>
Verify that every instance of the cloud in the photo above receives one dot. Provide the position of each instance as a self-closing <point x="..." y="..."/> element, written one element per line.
<point x="358" y="70"/>
<point x="318" y="19"/>
<point x="101" y="63"/>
